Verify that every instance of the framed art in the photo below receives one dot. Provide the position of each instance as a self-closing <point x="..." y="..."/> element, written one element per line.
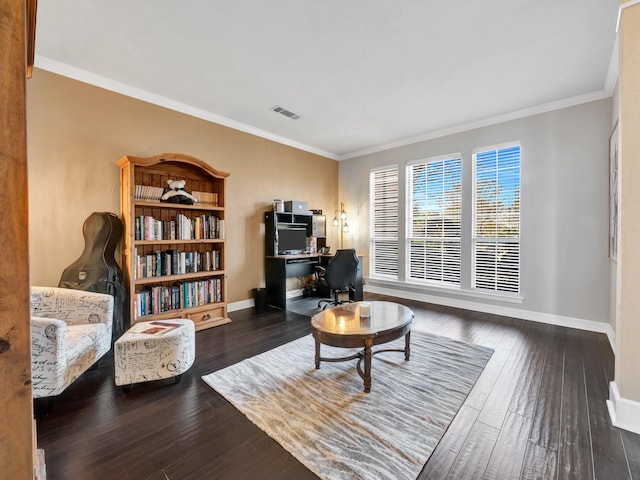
<point x="613" y="193"/>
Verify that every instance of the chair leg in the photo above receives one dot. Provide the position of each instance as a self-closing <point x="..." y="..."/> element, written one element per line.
<point x="328" y="301"/>
<point x="335" y="301"/>
<point x="336" y="297"/>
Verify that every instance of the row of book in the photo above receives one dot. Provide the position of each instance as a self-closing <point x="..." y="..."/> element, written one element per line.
<point x="174" y="262"/>
<point x="148" y="193"/>
<point x="160" y="299"/>
<point x="154" y="194"/>
<point x="202" y="227"/>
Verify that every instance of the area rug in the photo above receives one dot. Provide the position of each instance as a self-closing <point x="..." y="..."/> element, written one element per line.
<point x="326" y="421"/>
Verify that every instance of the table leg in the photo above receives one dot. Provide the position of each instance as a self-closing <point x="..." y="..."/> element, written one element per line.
<point x="317" y="354"/>
<point x="407" y="348"/>
<point x="368" y="343"/>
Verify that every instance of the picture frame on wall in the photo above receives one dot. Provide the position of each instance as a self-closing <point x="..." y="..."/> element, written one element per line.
<point x="613" y="193"/>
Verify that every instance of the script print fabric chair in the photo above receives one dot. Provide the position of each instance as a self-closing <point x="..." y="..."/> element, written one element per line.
<point x="339" y="276"/>
<point x="70" y="331"/>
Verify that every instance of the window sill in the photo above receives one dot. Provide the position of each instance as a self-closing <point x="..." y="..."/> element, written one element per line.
<point x="442" y="289"/>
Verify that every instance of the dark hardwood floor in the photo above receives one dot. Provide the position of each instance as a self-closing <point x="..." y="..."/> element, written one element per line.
<point x="537" y="411"/>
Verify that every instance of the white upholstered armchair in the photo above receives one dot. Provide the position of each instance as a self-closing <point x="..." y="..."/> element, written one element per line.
<point x="70" y="331"/>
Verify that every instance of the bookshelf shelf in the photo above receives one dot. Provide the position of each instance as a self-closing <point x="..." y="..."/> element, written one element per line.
<point x="178" y="242"/>
<point x="177" y="278"/>
<point x="202" y="316"/>
<point x="176" y="206"/>
<point x="174" y="254"/>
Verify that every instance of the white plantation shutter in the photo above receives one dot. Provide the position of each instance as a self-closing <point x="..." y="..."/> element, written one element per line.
<point x="496" y="206"/>
<point x="435" y="207"/>
<point x="384" y="223"/>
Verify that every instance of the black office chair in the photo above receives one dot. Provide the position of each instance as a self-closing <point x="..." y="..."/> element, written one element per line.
<point x="339" y="276"/>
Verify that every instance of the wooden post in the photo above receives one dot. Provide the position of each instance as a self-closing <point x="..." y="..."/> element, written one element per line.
<point x="16" y="405"/>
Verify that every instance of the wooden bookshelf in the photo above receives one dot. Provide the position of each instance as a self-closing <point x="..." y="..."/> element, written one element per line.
<point x="174" y="254"/>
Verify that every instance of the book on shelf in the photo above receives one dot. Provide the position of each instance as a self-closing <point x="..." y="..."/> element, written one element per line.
<point x="202" y="227"/>
<point x="148" y="193"/>
<point x="160" y="298"/>
<point x="173" y="262"/>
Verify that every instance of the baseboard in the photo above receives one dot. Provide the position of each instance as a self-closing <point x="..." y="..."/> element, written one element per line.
<point x="295" y="293"/>
<point x="558" y="320"/>
<point x="250" y="303"/>
<point x="241" y="305"/>
<point x="625" y="414"/>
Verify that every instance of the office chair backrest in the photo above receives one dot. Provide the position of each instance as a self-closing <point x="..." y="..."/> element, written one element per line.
<point x="342" y="269"/>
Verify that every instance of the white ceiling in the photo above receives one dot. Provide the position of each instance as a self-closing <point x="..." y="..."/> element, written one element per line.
<point x="363" y="75"/>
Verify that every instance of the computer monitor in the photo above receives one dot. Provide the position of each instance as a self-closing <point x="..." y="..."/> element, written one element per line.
<point x="292" y="241"/>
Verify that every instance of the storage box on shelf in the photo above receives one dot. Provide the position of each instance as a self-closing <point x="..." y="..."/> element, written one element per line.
<point x="174" y="254"/>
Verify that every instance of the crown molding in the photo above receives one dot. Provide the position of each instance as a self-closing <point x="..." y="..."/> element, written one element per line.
<point x="526" y="112"/>
<point x="90" y="78"/>
<point x="622" y="7"/>
<point x="611" y="79"/>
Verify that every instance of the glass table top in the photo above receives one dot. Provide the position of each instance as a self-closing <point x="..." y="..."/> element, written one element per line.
<point x="348" y="319"/>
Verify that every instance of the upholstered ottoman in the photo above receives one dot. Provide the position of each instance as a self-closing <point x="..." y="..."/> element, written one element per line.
<point x="153" y="351"/>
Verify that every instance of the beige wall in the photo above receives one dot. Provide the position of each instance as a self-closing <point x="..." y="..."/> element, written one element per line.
<point x="76" y="133"/>
<point x="628" y="280"/>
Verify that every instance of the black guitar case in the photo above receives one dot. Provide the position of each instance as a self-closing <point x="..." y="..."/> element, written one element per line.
<point x="97" y="270"/>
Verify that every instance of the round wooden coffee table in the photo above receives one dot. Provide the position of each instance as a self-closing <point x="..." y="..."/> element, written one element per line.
<point x="343" y="326"/>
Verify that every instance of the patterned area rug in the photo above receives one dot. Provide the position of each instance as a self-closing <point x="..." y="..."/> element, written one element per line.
<point x="323" y="418"/>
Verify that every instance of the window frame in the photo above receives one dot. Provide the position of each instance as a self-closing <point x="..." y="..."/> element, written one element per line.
<point x="512" y="240"/>
<point x="373" y="239"/>
<point x="410" y="236"/>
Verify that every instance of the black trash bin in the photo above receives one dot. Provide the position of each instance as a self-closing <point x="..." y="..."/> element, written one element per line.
<point x="260" y="298"/>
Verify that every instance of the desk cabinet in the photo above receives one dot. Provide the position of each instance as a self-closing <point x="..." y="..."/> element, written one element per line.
<point x="315" y="226"/>
<point x="279" y="268"/>
<point x="319" y="226"/>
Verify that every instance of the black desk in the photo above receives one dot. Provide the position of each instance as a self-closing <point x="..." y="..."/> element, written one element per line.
<point x="279" y="268"/>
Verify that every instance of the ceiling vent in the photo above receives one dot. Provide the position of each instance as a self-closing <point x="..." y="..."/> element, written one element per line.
<point x="285" y="112"/>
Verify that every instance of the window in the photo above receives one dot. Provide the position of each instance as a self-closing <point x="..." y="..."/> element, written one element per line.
<point x="496" y="217"/>
<point x="434" y="216"/>
<point x="384" y="223"/>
